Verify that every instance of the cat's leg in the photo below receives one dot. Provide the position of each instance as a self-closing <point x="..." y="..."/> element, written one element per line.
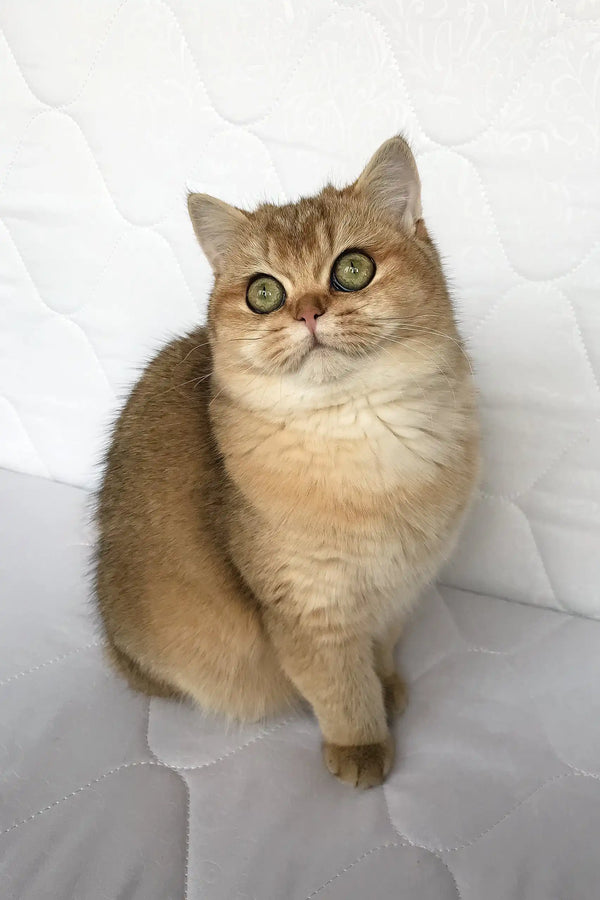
<point x="205" y="641"/>
<point x="395" y="690"/>
<point x="336" y="674"/>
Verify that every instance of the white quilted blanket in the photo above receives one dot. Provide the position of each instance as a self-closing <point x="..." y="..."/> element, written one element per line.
<point x="109" y="112"/>
<point x="106" y="795"/>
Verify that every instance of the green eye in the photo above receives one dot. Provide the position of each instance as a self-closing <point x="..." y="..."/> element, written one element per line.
<point x="265" y="294"/>
<point x="352" y="271"/>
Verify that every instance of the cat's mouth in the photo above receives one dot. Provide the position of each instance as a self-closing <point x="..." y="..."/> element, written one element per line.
<point x="320" y="357"/>
<point x="312" y="350"/>
<point x="316" y="346"/>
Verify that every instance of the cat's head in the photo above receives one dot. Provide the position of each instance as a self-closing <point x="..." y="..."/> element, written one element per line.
<point x="318" y="290"/>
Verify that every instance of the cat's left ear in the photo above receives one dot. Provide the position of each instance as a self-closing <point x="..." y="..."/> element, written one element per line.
<point x="391" y="182"/>
<point x="217" y="226"/>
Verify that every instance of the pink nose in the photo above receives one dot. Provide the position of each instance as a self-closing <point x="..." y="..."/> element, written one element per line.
<point x="309" y="315"/>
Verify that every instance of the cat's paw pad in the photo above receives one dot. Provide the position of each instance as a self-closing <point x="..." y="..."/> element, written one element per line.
<point x="362" y="765"/>
<point x="395" y="694"/>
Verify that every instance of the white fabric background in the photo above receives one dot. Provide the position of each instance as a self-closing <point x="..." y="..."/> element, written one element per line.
<point x="111" y="110"/>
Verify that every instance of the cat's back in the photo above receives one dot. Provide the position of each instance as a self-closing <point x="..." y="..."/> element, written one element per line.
<point x="161" y="468"/>
<point x="167" y="404"/>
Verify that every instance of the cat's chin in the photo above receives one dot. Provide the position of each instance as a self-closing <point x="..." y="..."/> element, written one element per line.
<point x="323" y="364"/>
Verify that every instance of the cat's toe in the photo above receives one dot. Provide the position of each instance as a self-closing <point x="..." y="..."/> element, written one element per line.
<point x="362" y="765"/>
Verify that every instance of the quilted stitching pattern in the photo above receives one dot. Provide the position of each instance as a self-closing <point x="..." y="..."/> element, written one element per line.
<point x="105" y="794"/>
<point x="110" y="111"/>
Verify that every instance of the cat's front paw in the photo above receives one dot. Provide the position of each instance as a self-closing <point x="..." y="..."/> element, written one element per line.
<point x="395" y="694"/>
<point x="362" y="765"/>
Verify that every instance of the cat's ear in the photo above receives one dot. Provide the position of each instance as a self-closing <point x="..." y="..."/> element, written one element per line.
<point x="217" y="226"/>
<point x="391" y="182"/>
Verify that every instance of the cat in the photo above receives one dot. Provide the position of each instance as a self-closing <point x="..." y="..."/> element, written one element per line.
<point x="282" y="483"/>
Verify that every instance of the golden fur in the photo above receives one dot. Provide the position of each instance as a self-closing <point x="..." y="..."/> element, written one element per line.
<point x="271" y="508"/>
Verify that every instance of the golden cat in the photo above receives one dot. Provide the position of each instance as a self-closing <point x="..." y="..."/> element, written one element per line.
<point x="282" y="483"/>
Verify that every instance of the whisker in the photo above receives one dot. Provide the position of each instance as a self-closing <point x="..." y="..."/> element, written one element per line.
<point x="422" y="330"/>
<point x="246" y="369"/>
<point x="175" y="387"/>
<point x="438" y="369"/>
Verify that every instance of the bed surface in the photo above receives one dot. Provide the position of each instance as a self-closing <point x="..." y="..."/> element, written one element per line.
<point x="105" y="794"/>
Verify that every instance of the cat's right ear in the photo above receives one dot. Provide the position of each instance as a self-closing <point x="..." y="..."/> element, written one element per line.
<point x="216" y="224"/>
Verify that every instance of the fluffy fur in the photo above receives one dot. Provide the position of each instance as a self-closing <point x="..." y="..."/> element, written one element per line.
<point x="273" y="503"/>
